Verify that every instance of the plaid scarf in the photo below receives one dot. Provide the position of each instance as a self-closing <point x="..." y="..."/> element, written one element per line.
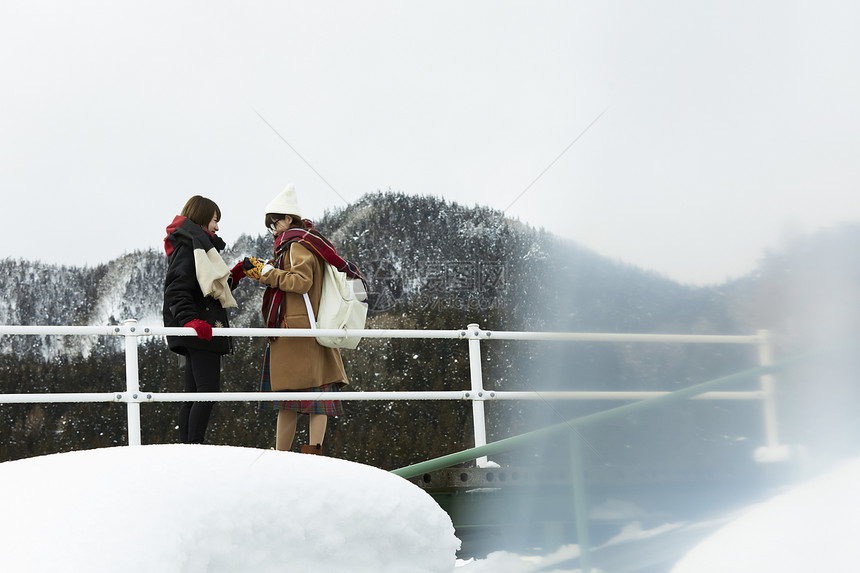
<point x="274" y="307"/>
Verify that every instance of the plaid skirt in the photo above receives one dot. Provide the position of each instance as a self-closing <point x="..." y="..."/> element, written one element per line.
<point x="327" y="407"/>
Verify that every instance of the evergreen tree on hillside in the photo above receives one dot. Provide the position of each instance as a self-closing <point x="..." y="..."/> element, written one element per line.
<point x="431" y="264"/>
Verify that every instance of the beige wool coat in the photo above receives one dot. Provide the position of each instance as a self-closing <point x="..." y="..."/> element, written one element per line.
<point x="300" y="363"/>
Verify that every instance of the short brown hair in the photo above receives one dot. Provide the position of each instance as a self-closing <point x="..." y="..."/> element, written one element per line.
<point x="201" y="210"/>
<point x="272" y="218"/>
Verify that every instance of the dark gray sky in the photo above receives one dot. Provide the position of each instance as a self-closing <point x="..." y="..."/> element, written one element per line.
<point x="728" y="126"/>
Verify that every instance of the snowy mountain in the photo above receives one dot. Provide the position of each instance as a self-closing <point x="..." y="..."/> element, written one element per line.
<point x="433" y="264"/>
<point x="472" y="264"/>
<point x="418" y="253"/>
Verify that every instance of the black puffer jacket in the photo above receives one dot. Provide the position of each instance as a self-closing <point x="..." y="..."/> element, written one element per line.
<point x="183" y="298"/>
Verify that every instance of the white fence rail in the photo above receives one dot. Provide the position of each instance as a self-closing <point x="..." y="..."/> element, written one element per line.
<point x="132" y="395"/>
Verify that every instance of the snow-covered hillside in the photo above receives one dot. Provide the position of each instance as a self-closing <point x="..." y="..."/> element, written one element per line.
<point x="412" y="250"/>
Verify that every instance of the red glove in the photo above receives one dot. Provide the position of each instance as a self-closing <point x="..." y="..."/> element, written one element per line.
<point x="237" y="272"/>
<point x="202" y="328"/>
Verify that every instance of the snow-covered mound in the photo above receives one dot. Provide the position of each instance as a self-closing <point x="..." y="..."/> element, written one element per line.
<point x="184" y="508"/>
<point x="812" y="527"/>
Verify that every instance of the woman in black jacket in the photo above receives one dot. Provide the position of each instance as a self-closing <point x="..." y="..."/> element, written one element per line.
<point x="197" y="292"/>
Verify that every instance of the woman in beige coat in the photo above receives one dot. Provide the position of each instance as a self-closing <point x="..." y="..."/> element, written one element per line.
<point x="296" y="364"/>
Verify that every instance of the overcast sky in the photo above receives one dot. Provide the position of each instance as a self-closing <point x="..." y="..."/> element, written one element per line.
<point x="721" y="127"/>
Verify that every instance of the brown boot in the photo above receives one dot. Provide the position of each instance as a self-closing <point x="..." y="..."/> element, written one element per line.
<point x="317" y="449"/>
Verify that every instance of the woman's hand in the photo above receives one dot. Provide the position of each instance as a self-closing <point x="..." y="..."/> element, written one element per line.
<point x="255" y="268"/>
<point x="237" y="273"/>
<point x="201" y="327"/>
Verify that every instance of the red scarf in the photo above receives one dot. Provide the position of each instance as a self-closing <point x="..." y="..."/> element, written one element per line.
<point x="274" y="308"/>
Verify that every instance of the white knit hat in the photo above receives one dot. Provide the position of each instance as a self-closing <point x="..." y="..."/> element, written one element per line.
<point x="285" y="203"/>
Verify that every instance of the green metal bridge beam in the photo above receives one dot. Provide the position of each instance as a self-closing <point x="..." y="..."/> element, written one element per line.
<point x="513" y="442"/>
<point x="578" y="481"/>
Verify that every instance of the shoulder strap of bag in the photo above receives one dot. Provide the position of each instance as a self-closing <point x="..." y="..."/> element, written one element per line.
<point x="310" y="311"/>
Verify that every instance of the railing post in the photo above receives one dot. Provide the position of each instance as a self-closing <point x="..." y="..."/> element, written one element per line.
<point x="476" y="375"/>
<point x="580" y="503"/>
<point x="132" y="382"/>
<point x="765" y="358"/>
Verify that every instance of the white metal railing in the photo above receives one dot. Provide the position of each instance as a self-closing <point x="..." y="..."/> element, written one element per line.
<point x="132" y="332"/>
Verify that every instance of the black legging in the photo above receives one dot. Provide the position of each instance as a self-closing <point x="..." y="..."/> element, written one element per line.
<point x="202" y="374"/>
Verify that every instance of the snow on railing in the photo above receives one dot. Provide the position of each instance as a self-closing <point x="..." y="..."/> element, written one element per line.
<point x="473" y="334"/>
